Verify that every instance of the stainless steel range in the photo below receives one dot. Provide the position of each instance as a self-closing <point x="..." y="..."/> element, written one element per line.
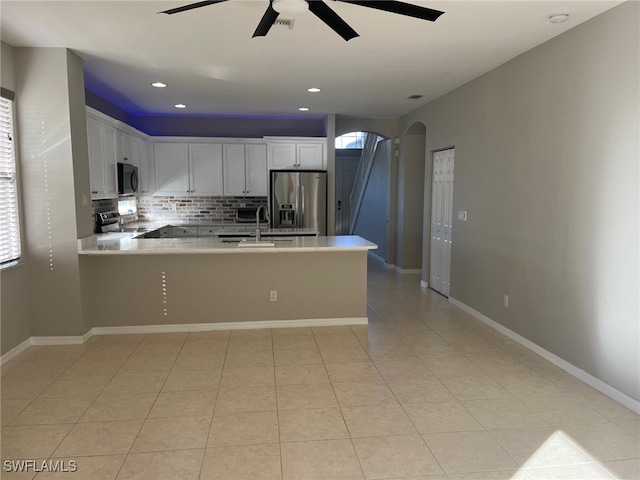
<point x="107" y="222"/>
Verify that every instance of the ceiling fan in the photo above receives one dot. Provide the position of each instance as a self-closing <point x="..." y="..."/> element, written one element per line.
<point x="321" y="10"/>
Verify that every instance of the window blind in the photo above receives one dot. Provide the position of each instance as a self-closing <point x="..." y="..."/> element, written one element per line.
<point x="10" y="248"/>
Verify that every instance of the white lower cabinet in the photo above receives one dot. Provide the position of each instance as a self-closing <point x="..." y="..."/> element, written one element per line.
<point x="245" y="170"/>
<point x="188" y="169"/>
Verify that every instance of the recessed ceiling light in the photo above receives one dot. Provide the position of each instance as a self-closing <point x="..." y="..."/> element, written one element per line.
<point x="158" y="84"/>
<point x="558" y="17"/>
<point x="313" y="90"/>
<point x="304" y="109"/>
<point x="180" y="105"/>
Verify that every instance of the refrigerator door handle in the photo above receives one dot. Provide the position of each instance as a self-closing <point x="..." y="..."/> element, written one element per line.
<point x="303" y="206"/>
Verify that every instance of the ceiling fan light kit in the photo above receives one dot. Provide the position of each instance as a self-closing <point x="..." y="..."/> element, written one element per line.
<point x="321" y="10"/>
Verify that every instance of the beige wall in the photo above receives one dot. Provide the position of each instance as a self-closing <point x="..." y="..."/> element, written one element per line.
<point x="48" y="80"/>
<point x="547" y="168"/>
<point x="15" y="318"/>
<point x="225" y="288"/>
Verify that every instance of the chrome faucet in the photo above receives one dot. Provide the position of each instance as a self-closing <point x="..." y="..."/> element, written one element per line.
<point x="266" y="216"/>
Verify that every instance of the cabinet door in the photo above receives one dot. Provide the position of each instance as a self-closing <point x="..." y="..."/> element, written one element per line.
<point x="122" y="147"/>
<point x="96" y="171"/>
<point x="133" y="156"/>
<point x="109" y="160"/>
<point x="171" y="168"/>
<point x="282" y="156"/>
<point x="310" y="155"/>
<point x="146" y="170"/>
<point x="233" y="170"/>
<point x="256" y="170"/>
<point x="205" y="166"/>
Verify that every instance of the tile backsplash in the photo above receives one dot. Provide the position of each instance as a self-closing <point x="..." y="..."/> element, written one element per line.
<point x="194" y="210"/>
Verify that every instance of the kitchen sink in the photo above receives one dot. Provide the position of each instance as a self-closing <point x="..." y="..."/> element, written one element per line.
<point x="247" y="240"/>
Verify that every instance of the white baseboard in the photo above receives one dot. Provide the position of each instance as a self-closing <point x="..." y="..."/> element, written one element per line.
<point x="15" y="351"/>
<point x="587" y="378"/>
<point x="424" y="284"/>
<point x="186" y="327"/>
<point x="408" y="270"/>
<point x="204" y="327"/>
<point x="378" y="258"/>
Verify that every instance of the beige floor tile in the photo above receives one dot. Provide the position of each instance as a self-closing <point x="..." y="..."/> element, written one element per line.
<point x="101" y="438"/>
<point x="43" y="368"/>
<point x="153" y="349"/>
<point x="297" y="356"/>
<point x="480" y="387"/>
<point x="441" y="417"/>
<point x="301" y="374"/>
<point x="248" y="357"/>
<point x="128" y="383"/>
<point x="332" y="330"/>
<point x="494" y="475"/>
<point x="50" y="411"/>
<point x="10" y="409"/>
<point x="311" y="424"/>
<point x="174" y="433"/>
<point x="501" y="413"/>
<point x="200" y="361"/>
<point x="584" y="471"/>
<point x="251" y="341"/>
<point x="363" y="393"/>
<point x="528" y="386"/>
<point x="403" y="371"/>
<point x="247" y="462"/>
<point x="353" y="372"/>
<point x="192" y="380"/>
<point x="390" y="352"/>
<point x="172" y="465"/>
<point x="77" y="386"/>
<point x="344" y="354"/>
<point x="346" y="339"/>
<point x="379" y="420"/>
<point x="210" y="335"/>
<point x="320" y="460"/>
<point x="462" y="452"/>
<point x="97" y="365"/>
<point x="234" y="377"/>
<point x="624" y="469"/>
<point x="191" y="403"/>
<point x="291" y="397"/>
<point x="243" y="429"/>
<point x="294" y="341"/>
<point x="452" y="367"/>
<point x="563" y="410"/>
<point x="16" y="470"/>
<point x="148" y="364"/>
<point x="421" y="390"/>
<point x="18" y="387"/>
<point x="404" y="456"/>
<point x="111" y="408"/>
<point x="541" y="447"/>
<point x="605" y="441"/>
<point x="31" y="441"/>
<point x="278" y="332"/>
<point x="246" y="399"/>
<point x="194" y="346"/>
<point x="88" y="468"/>
<point x="121" y="339"/>
<point x="111" y="351"/>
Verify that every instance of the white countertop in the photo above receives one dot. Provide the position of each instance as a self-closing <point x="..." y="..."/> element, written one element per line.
<point x="124" y="243"/>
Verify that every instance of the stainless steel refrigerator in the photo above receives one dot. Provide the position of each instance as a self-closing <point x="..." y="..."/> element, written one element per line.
<point x="298" y="199"/>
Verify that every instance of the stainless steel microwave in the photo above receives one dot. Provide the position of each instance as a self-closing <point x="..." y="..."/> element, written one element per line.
<point x="127" y="179"/>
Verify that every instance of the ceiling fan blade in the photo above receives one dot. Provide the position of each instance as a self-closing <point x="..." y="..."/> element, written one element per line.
<point x="331" y="18"/>
<point x="191" y="6"/>
<point x="268" y="19"/>
<point x="401" y="8"/>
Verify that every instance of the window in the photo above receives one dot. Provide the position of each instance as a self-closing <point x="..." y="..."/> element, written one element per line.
<point x="351" y="140"/>
<point x="10" y="249"/>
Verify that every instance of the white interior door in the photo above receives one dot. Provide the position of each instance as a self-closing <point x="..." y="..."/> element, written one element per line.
<point x="442" y="220"/>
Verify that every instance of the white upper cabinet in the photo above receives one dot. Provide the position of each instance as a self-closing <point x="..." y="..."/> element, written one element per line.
<point x="297" y="153"/>
<point x="145" y="167"/>
<point x="102" y="159"/>
<point x="245" y="170"/>
<point x="205" y="169"/>
<point x="188" y="169"/>
<point x="172" y="168"/>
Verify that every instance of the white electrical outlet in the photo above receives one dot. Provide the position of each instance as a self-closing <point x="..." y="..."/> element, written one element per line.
<point x="462" y="215"/>
<point x="273" y="295"/>
<point x="505" y="301"/>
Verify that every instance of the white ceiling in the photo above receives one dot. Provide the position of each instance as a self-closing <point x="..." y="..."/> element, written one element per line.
<point x="211" y="63"/>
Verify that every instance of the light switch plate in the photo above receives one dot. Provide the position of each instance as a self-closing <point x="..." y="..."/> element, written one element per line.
<point x="462" y="215"/>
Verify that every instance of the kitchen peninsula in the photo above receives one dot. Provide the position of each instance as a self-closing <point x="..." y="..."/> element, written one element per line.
<point x="180" y="284"/>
